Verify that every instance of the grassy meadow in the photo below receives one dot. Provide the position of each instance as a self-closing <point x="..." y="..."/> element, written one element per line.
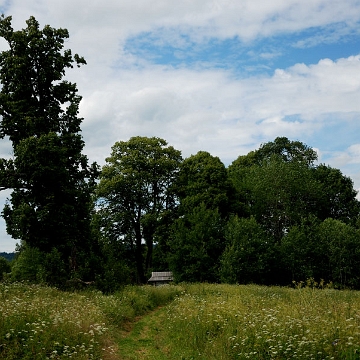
<point x="38" y="322"/>
<point x="256" y="322"/>
<point x="187" y="321"/>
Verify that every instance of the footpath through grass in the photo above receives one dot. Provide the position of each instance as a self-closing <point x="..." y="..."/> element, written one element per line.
<point x="38" y="322"/>
<point x="199" y="321"/>
<point x="249" y="322"/>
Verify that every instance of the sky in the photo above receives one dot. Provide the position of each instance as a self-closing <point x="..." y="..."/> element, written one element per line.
<point x="222" y="76"/>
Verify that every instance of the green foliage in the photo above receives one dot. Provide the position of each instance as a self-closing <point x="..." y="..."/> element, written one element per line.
<point x="274" y="173"/>
<point x="135" y="193"/>
<point x="249" y="253"/>
<point x="327" y="250"/>
<point x="203" y="179"/>
<point x="4" y="267"/>
<point x="289" y="196"/>
<point x="337" y="198"/>
<point x="343" y="252"/>
<point x="49" y="207"/>
<point x="281" y="194"/>
<point x="196" y="245"/>
<point x="35" y="266"/>
<point x="117" y="267"/>
<point x="287" y="151"/>
<point x="28" y="266"/>
<point x="303" y="255"/>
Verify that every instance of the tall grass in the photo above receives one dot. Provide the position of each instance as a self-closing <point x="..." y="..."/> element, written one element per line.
<point x="253" y="322"/>
<point x="38" y="322"/>
<point x="202" y="321"/>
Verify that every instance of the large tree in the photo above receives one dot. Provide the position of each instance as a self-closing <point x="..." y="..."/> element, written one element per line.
<point x="249" y="254"/>
<point x="49" y="207"/>
<point x="338" y="196"/>
<point x="287" y="150"/>
<point x="203" y="179"/>
<point x="281" y="194"/>
<point x="197" y="240"/>
<point x="292" y="154"/>
<point x="135" y="193"/>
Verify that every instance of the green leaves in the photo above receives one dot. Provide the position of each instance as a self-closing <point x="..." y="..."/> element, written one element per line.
<point x="248" y="254"/>
<point x="203" y="179"/>
<point x="196" y="245"/>
<point x="32" y="88"/>
<point x="135" y="192"/>
<point x="281" y="193"/>
<point x="51" y="180"/>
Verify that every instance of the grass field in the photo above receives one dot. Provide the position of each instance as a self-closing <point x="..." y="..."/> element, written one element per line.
<point x="200" y="321"/>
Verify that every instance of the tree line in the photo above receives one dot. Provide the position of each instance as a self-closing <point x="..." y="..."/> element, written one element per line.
<point x="272" y="216"/>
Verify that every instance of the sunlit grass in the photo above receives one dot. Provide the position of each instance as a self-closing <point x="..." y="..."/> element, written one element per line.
<point x="201" y="321"/>
<point x="253" y="322"/>
<point x="38" y="322"/>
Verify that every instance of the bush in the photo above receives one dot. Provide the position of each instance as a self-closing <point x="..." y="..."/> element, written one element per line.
<point x="35" y="266"/>
<point x="4" y="267"/>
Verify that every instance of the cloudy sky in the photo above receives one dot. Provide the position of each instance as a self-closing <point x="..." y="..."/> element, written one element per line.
<point x="222" y="76"/>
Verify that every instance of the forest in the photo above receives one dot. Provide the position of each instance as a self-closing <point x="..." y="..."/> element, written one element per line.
<point x="273" y="216"/>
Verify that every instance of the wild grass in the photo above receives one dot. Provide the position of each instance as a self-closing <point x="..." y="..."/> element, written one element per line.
<point x="254" y="322"/>
<point x="200" y="321"/>
<point x="38" y="322"/>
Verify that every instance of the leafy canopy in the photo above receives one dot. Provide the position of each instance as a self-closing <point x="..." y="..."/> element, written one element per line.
<point x="50" y="177"/>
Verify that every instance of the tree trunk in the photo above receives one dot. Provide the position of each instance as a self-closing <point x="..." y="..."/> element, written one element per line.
<point x="138" y="254"/>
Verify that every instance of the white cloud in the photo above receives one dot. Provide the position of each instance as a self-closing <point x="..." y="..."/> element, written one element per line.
<point x="350" y="156"/>
<point x="206" y="110"/>
<point x="198" y="108"/>
<point x="99" y="26"/>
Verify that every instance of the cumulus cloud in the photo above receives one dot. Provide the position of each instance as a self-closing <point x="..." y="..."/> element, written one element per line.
<point x="203" y="106"/>
<point x="207" y="109"/>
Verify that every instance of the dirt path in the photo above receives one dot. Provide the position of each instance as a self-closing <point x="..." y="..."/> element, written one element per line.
<point x="143" y="338"/>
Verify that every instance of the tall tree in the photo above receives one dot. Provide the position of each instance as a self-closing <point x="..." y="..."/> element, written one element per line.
<point x="50" y="177"/>
<point x="281" y="194"/>
<point x="343" y="252"/>
<point x="196" y="244"/>
<point x="203" y="179"/>
<point x="135" y="192"/>
<point x="249" y="254"/>
<point x="197" y="239"/>
<point x="338" y="196"/>
<point x="288" y="151"/>
<point x="281" y="150"/>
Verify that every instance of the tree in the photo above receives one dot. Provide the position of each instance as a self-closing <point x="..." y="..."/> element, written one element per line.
<point x="52" y="182"/>
<point x="338" y="196"/>
<point x="4" y="267"/>
<point x="196" y="240"/>
<point x="343" y="252"/>
<point x="203" y="179"/>
<point x="248" y="257"/>
<point x="282" y="151"/>
<point x="196" y="245"/>
<point x="135" y="192"/>
<point x="288" y="151"/>
<point x="303" y="254"/>
<point x="281" y="194"/>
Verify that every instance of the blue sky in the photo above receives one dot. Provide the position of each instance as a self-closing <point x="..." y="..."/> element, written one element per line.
<point x="261" y="56"/>
<point x="222" y="76"/>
